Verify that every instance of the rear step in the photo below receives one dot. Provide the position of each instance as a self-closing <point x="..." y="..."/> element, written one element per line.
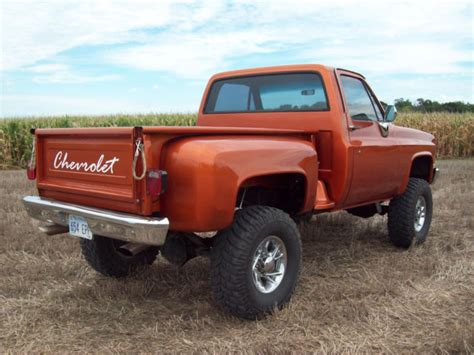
<point x="323" y="202"/>
<point x="121" y="226"/>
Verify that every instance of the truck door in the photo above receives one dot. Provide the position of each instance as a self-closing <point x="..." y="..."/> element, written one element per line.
<point x="375" y="159"/>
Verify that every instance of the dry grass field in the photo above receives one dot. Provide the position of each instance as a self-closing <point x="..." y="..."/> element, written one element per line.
<point x="357" y="293"/>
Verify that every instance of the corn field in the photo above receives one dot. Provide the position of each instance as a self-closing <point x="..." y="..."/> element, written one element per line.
<point x="454" y="132"/>
<point x="18" y="139"/>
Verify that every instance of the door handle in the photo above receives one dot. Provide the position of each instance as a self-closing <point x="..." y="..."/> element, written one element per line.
<point x="353" y="127"/>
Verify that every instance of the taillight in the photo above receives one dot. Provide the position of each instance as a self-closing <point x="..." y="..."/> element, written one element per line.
<point x="156" y="182"/>
<point x="31" y="167"/>
<point x="31" y="172"/>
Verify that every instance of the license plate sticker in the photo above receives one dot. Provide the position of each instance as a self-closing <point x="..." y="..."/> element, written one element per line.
<point x="78" y="227"/>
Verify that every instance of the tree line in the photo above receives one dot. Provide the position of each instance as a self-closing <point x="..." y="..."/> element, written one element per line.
<point x="422" y="105"/>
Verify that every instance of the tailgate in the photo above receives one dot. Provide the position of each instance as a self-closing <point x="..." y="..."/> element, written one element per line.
<point x="88" y="166"/>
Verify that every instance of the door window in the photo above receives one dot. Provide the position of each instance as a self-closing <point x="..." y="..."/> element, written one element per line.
<point x="358" y="100"/>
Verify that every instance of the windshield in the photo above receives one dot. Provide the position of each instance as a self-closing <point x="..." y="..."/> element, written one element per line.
<point x="268" y="93"/>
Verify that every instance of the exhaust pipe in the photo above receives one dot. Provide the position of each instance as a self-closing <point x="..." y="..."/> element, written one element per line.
<point x="52" y="229"/>
<point x="132" y="249"/>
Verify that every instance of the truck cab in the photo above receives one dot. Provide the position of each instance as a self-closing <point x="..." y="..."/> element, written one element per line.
<point x="362" y="156"/>
<point x="272" y="146"/>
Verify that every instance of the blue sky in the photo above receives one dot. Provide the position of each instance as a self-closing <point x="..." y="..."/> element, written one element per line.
<point x="98" y="57"/>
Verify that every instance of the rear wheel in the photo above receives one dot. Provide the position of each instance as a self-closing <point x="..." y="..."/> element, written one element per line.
<point x="255" y="263"/>
<point x="409" y="215"/>
<point x="105" y="256"/>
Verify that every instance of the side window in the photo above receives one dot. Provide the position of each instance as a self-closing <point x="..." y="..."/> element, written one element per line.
<point x="304" y="92"/>
<point x="233" y="97"/>
<point x="358" y="99"/>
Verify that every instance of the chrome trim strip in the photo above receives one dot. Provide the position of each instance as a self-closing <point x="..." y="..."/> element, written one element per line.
<point x="117" y="225"/>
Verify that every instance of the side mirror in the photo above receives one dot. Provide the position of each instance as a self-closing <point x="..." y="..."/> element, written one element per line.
<point x="390" y="113"/>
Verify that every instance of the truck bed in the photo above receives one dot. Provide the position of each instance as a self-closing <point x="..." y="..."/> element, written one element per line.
<point x="93" y="166"/>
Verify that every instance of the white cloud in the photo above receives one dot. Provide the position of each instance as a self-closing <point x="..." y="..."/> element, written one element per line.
<point x="188" y="55"/>
<point x="37" y="30"/>
<point x="44" y="105"/>
<point x="63" y="74"/>
<point x="403" y="37"/>
<point x="427" y="57"/>
<point x="195" y="38"/>
<point x="428" y="87"/>
<point x="72" y="78"/>
<point x="48" y="68"/>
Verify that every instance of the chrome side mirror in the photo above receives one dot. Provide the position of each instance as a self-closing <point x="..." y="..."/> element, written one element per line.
<point x="390" y="113"/>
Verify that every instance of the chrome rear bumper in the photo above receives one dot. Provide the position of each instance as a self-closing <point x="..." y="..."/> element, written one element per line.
<point x="122" y="226"/>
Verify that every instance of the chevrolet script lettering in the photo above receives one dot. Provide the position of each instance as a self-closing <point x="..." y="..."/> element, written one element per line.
<point x="61" y="162"/>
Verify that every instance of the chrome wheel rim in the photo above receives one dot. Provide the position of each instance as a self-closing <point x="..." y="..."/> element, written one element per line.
<point x="269" y="264"/>
<point x="420" y="213"/>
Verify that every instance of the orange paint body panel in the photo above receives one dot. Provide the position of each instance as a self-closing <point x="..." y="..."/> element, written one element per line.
<point x="342" y="161"/>
<point x="205" y="175"/>
<point x="104" y="179"/>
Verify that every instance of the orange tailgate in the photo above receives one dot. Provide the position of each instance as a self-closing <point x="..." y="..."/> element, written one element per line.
<point x="88" y="166"/>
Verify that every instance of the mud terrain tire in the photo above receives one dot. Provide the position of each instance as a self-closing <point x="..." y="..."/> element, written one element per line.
<point x="404" y="212"/>
<point x="240" y="250"/>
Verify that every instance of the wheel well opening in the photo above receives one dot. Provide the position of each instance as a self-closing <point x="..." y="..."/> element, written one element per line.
<point x="420" y="168"/>
<point x="284" y="191"/>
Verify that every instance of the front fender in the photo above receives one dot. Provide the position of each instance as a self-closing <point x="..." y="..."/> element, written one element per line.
<point x="406" y="176"/>
<point x="205" y="173"/>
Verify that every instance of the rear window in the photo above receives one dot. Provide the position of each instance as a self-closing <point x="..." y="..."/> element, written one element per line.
<point x="268" y="93"/>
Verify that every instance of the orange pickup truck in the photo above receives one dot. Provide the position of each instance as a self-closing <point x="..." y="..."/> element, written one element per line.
<point x="272" y="147"/>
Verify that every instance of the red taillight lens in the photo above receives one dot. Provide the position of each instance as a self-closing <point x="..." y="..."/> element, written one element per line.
<point x="31" y="172"/>
<point x="156" y="183"/>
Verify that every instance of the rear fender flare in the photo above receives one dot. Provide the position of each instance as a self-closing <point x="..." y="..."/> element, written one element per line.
<point x="206" y="173"/>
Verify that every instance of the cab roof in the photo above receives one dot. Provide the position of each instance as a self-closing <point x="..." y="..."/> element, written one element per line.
<point x="272" y="69"/>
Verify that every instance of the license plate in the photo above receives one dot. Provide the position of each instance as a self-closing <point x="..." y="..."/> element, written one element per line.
<point x="78" y="227"/>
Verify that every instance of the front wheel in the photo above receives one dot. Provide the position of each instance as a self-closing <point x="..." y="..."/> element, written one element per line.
<point x="409" y="215"/>
<point x="256" y="262"/>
